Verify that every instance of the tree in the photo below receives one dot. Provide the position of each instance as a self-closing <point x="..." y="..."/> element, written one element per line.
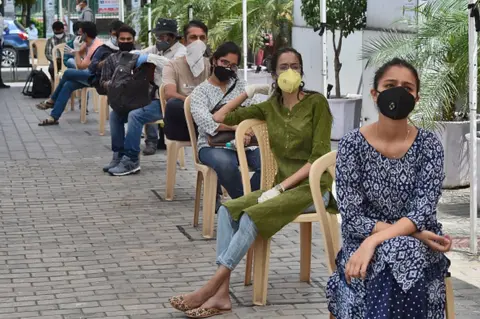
<point x="26" y="5"/>
<point x="438" y="47"/>
<point x="344" y="17"/>
<point x="224" y="19"/>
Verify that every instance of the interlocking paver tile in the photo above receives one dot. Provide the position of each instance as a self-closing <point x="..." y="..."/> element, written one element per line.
<point x="77" y="243"/>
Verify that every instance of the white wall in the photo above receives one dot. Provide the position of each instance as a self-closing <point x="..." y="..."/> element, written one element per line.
<point x="308" y="43"/>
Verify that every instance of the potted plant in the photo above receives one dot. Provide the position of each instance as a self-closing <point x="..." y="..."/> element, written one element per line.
<point x="438" y="47"/>
<point x="343" y="18"/>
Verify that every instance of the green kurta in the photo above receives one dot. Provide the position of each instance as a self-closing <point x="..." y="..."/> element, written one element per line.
<point x="296" y="137"/>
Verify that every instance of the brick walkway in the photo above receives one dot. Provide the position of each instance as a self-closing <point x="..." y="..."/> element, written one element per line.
<point x="76" y="243"/>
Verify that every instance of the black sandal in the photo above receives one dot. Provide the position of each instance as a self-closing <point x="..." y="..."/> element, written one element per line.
<point x="48" y="122"/>
<point x="45" y="105"/>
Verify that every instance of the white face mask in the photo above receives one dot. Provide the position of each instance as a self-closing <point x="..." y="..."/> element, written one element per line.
<point x="78" y="8"/>
<point x="59" y="35"/>
<point x="195" y="51"/>
<point x="114" y="41"/>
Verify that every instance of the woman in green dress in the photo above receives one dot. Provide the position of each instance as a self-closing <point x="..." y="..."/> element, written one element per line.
<point x="299" y="124"/>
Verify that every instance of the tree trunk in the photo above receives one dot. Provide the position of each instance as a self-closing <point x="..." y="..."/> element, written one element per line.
<point x="29" y="13"/>
<point x="336" y="63"/>
<point x="24" y="14"/>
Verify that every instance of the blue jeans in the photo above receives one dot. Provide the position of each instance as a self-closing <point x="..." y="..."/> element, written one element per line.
<point x="129" y="145"/>
<point x="152" y="134"/>
<point x="225" y="163"/>
<point x="70" y="63"/>
<point x="71" y="81"/>
<point x="234" y="238"/>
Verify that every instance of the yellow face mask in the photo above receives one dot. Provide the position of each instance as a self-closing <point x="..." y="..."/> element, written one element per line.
<point x="289" y="81"/>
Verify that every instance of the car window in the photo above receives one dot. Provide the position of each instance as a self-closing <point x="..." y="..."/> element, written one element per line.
<point x="19" y="26"/>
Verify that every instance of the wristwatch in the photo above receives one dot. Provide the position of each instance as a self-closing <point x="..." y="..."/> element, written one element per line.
<point x="279" y="188"/>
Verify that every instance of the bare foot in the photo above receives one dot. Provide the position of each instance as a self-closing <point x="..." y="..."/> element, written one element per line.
<point x="195" y="299"/>
<point x="221" y="302"/>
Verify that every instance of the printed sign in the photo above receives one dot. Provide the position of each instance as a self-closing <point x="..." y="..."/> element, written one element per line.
<point x="50" y="14"/>
<point x="9" y="9"/>
<point x="136" y="5"/>
<point x="108" y="6"/>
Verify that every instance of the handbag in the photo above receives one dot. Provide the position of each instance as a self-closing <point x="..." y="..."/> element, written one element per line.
<point x="223" y="137"/>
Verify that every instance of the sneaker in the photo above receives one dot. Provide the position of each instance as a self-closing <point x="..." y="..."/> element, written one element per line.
<point x="150" y="149"/>
<point x="114" y="162"/>
<point x="125" y="167"/>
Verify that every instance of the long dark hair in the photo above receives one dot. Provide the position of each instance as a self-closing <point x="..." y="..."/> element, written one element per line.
<point x="277" y="92"/>
<point x="223" y="50"/>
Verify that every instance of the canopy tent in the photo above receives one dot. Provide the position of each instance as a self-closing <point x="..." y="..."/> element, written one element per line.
<point x="473" y="28"/>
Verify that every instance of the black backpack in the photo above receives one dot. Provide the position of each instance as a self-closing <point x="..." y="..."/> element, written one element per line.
<point x="38" y="85"/>
<point x="94" y="79"/>
<point x="131" y="88"/>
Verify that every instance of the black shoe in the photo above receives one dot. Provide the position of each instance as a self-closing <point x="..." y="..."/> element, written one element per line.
<point x="150" y="149"/>
<point x="4" y="86"/>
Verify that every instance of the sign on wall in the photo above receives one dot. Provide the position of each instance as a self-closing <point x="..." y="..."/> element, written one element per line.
<point x="108" y="6"/>
<point x="50" y="14"/>
<point x="9" y="9"/>
<point x="136" y="5"/>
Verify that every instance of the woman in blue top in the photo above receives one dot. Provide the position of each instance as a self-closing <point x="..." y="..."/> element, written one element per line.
<point x="389" y="176"/>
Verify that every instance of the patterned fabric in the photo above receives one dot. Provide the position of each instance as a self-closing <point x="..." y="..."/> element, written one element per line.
<point x="297" y="136"/>
<point x="203" y="99"/>
<point x="52" y="42"/>
<point x="372" y="188"/>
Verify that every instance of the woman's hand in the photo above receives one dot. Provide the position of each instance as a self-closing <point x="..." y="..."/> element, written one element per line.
<point x="435" y="242"/>
<point x="357" y="264"/>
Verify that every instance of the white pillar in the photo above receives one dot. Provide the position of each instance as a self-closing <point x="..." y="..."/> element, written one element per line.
<point x="121" y="10"/>
<point x="60" y="10"/>
<point x="136" y="5"/>
<point x="473" y="56"/>
<point x="245" y="39"/>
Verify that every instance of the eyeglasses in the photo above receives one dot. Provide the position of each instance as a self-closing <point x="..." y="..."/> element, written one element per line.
<point x="294" y="66"/>
<point x="227" y="64"/>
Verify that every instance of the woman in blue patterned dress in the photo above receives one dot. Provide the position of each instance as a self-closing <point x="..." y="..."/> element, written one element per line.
<point x="389" y="178"/>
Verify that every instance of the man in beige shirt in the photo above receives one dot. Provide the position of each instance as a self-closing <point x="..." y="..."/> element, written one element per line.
<point x="181" y="75"/>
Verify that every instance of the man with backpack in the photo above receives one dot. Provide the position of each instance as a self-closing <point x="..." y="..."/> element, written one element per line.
<point x="131" y="81"/>
<point x="167" y="45"/>
<point x="73" y="79"/>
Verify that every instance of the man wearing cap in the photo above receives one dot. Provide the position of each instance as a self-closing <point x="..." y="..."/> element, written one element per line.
<point x="167" y="45"/>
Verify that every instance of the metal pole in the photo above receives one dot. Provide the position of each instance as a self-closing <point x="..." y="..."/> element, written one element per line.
<point x="121" y="10"/>
<point x="323" y="21"/>
<point x="473" y="51"/>
<point x="149" y="3"/>
<point x="245" y="39"/>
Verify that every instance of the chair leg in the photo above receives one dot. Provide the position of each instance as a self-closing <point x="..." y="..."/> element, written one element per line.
<point x="198" y="194"/>
<point x="248" y="267"/>
<point x="209" y="197"/>
<point x="261" y="263"/>
<point x="181" y="157"/>
<point x="83" y="107"/>
<point x="72" y="102"/>
<point x="305" y="251"/>
<point x="96" y="97"/>
<point x="449" y="300"/>
<point x="103" y="116"/>
<point x="172" y="154"/>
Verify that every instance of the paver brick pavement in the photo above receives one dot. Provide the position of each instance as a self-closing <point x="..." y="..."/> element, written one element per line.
<point x="77" y="243"/>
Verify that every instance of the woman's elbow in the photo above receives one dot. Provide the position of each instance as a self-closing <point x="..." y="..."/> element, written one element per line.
<point x="218" y="117"/>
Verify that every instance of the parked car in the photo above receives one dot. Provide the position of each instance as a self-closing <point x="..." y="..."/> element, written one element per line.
<point x="15" y="45"/>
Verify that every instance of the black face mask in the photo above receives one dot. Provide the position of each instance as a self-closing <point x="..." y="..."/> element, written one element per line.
<point x="396" y="103"/>
<point x="125" y="46"/>
<point x="223" y="74"/>
<point x="162" y="45"/>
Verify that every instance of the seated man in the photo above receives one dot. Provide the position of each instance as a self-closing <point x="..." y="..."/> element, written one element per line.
<point x="167" y="45"/>
<point x="59" y="37"/>
<point x="73" y="80"/>
<point x="181" y="76"/>
<point x="126" y="149"/>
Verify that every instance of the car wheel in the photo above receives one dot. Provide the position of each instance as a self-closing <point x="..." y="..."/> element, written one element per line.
<point x="9" y="57"/>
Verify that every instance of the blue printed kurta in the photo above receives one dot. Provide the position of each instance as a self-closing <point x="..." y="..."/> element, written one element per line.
<point x="371" y="188"/>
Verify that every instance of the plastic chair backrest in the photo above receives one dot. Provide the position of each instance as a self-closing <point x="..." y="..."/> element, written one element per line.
<point x="328" y="222"/>
<point x="40" y="45"/>
<point x="268" y="162"/>
<point x="163" y="100"/>
<point x="58" y="50"/>
<point x="191" y="129"/>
